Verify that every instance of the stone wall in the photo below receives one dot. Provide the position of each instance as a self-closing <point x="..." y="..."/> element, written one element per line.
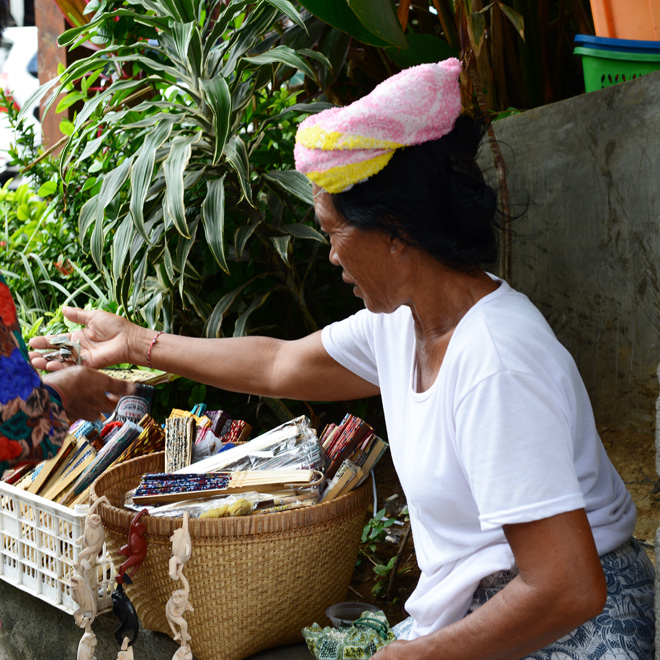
<point x="587" y="250"/>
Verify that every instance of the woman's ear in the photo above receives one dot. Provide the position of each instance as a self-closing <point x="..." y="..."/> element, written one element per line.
<point x="397" y="246"/>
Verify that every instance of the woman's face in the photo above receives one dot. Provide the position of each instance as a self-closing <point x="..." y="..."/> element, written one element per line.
<point x="365" y="257"/>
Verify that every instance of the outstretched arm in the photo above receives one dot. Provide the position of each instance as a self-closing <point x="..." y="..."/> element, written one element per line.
<point x="560" y="586"/>
<point x="298" y="369"/>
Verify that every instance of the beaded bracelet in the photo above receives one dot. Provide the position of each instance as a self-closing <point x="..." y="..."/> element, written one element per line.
<point x="153" y="341"/>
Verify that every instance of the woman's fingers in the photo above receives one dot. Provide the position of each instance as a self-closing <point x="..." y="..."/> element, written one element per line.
<point x="77" y="315"/>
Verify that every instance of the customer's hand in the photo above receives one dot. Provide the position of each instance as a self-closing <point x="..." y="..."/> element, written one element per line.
<point x="88" y="393"/>
<point x="104" y="341"/>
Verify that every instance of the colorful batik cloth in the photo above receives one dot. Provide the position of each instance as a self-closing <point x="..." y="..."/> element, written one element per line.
<point x="32" y="420"/>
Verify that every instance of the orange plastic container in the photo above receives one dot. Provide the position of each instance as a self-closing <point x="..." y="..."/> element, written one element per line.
<point x="627" y="19"/>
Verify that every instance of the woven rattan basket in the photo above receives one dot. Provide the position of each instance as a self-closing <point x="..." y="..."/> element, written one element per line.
<point x="255" y="581"/>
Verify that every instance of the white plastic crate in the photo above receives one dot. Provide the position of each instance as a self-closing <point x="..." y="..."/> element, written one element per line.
<point x="38" y="549"/>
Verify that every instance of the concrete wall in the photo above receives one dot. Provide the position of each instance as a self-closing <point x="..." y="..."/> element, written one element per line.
<point x="587" y="251"/>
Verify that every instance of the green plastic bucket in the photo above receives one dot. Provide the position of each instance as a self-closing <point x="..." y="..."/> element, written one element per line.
<point x="603" y="68"/>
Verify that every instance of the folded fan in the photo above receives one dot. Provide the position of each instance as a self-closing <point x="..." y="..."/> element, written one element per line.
<point x="170" y="487"/>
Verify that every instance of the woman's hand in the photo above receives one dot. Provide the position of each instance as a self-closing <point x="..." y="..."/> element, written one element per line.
<point x="105" y="340"/>
<point x="394" y="651"/>
<point x="88" y="393"/>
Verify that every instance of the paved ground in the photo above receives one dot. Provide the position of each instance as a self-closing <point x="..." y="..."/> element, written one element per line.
<point x="34" y="630"/>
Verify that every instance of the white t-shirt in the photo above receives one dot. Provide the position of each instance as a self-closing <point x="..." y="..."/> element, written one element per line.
<point x="505" y="434"/>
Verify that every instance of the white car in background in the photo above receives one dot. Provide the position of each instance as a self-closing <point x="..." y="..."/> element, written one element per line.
<point x="19" y="78"/>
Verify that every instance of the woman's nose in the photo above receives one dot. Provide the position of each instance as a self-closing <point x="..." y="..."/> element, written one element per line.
<point x="333" y="257"/>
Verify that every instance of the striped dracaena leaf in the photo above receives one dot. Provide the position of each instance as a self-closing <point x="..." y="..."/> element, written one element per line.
<point x="283" y="55"/>
<point x="213" y="218"/>
<point x="142" y="173"/>
<point x="218" y="97"/>
<point x="174" y="168"/>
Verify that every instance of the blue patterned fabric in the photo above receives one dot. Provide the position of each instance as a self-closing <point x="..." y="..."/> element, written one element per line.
<point x="33" y="422"/>
<point x="624" y="630"/>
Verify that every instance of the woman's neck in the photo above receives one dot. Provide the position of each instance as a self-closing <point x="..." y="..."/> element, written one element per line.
<point x="441" y="298"/>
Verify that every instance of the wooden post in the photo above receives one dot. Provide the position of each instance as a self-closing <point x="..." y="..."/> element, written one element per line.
<point x="51" y="24"/>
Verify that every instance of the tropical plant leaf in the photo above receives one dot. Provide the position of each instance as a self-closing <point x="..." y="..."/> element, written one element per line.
<point x="304" y="231"/>
<point x="236" y="154"/>
<point x="246" y="36"/>
<point x="241" y="322"/>
<point x="109" y="188"/>
<point x="379" y="17"/>
<point x="86" y="217"/>
<point x="289" y="11"/>
<point x="218" y="97"/>
<point x="121" y="246"/>
<point x="181" y="36"/>
<point x="283" y="55"/>
<point x="242" y="236"/>
<point x="213" y="218"/>
<point x="292" y="182"/>
<point x="338" y="14"/>
<point x="174" y="168"/>
<point x="183" y="250"/>
<point x="281" y="244"/>
<point x="92" y="147"/>
<point x="423" y="48"/>
<point x="316" y="55"/>
<point x="476" y="24"/>
<point x="214" y="323"/>
<point x="142" y="172"/>
<point x="516" y="19"/>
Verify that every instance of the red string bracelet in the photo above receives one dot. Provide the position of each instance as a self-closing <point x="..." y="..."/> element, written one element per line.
<point x="153" y="341"/>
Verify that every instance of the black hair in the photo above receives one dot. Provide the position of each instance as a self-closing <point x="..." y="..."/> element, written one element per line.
<point x="432" y="196"/>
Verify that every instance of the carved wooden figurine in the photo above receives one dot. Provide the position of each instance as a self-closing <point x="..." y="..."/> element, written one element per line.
<point x="126" y="652"/>
<point x="183" y="653"/>
<point x="123" y="609"/>
<point x="92" y="539"/>
<point x="176" y="607"/>
<point x="84" y="597"/>
<point x="181" y="548"/>
<point x="86" y="646"/>
<point x="135" y="550"/>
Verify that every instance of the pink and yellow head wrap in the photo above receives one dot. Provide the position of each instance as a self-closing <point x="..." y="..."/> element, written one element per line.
<point x="343" y="146"/>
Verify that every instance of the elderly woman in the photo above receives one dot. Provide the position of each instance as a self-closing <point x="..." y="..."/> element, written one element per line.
<point x="522" y="527"/>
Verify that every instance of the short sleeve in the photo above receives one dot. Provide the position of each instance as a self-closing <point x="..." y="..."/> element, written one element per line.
<point x="514" y="440"/>
<point x="350" y="342"/>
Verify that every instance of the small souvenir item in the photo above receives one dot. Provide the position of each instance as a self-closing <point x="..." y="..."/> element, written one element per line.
<point x="178" y="604"/>
<point x="92" y="539"/>
<point x="123" y="609"/>
<point x="183" y="653"/>
<point x="135" y="550"/>
<point x="67" y="350"/>
<point x="176" y="607"/>
<point x="87" y="606"/>
<point x="181" y="549"/>
<point x="86" y="646"/>
<point x="126" y="652"/>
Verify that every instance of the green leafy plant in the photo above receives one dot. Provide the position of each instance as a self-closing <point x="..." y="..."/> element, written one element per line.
<point x="373" y="547"/>
<point x="39" y="252"/>
<point x="375" y="530"/>
<point x="191" y="208"/>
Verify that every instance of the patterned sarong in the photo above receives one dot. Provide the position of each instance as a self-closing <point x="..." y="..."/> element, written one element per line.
<point x="624" y="630"/>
